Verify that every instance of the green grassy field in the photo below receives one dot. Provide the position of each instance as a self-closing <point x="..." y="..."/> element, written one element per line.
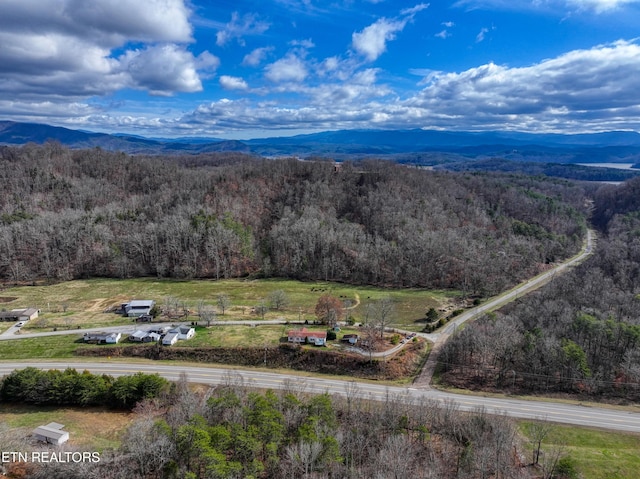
<point x="64" y="346"/>
<point x="596" y="454"/>
<point x="84" y="302"/>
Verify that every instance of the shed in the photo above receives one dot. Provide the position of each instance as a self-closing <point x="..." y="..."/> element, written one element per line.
<point x="52" y="433"/>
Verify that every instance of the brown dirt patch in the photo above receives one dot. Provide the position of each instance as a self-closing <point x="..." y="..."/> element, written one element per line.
<point x="7" y="299"/>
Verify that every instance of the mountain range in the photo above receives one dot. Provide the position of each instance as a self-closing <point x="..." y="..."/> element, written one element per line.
<point x="414" y="146"/>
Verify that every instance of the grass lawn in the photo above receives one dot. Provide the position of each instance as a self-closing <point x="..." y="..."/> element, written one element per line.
<point x="596" y="454"/>
<point x="84" y="302"/>
<point x="92" y="427"/>
<point x="63" y="346"/>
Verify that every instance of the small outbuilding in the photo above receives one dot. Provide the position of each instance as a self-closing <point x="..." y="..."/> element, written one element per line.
<point x="52" y="433"/>
<point x="350" y="338"/>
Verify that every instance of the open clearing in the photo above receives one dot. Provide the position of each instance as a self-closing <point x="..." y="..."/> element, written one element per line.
<point x="93" y="427"/>
<point x="84" y="302"/>
<point x="596" y="454"/>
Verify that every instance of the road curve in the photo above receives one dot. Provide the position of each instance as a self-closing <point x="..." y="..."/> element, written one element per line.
<point x="524" y="288"/>
<point x="578" y="415"/>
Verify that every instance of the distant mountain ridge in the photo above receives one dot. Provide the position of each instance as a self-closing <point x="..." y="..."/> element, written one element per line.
<point x="613" y="146"/>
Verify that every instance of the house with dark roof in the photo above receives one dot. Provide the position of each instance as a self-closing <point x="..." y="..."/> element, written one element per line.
<point x="19" y="314"/>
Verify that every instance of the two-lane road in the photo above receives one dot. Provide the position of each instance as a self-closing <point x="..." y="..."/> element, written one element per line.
<point x="557" y="412"/>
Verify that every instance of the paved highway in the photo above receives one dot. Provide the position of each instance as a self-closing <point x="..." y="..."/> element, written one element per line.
<point x="578" y="415"/>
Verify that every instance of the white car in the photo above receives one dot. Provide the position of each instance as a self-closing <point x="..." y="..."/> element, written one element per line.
<point x="20" y="324"/>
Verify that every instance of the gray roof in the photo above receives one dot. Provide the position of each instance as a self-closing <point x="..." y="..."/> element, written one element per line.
<point x="53" y="430"/>
<point x="141" y="303"/>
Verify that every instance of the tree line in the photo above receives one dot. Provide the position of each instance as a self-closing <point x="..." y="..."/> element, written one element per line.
<point x="73" y="388"/>
<point x="578" y="334"/>
<point x="68" y="214"/>
<point x="234" y="432"/>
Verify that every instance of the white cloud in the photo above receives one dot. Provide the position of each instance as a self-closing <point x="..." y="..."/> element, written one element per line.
<point x="481" y="35"/>
<point x="597" y="6"/>
<point x="582" y="85"/>
<point x="289" y="68"/>
<point x="67" y="51"/>
<point x="257" y="56"/>
<point x="145" y="20"/>
<point x="165" y="69"/>
<point x="600" y="6"/>
<point x="233" y="83"/>
<point x="583" y="90"/>
<point x="372" y="41"/>
<point x="443" y="34"/>
<point x="239" y="27"/>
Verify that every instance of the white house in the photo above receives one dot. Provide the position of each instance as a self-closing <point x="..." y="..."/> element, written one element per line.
<point x="52" y="433"/>
<point x="184" y="332"/>
<point x="318" y="338"/>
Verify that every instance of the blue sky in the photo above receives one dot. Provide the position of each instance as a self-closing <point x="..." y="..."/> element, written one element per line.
<point x="246" y="69"/>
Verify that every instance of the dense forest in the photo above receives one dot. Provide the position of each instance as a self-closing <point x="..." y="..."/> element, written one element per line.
<point x="233" y="432"/>
<point x="579" y="334"/>
<point x="68" y="214"/>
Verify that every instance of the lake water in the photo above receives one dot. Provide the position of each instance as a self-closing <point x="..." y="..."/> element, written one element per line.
<point x="618" y="166"/>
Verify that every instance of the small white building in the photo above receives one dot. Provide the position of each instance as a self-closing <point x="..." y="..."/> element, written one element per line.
<point x="170" y="339"/>
<point x="52" y="433"/>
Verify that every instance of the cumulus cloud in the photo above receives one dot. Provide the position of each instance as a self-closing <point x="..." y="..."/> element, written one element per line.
<point x="372" y="40"/>
<point x="256" y="57"/>
<point x="287" y="69"/>
<point x="239" y="27"/>
<point x="67" y="51"/>
<point x="166" y="69"/>
<point x="233" y="83"/>
<point x="583" y="90"/>
<point x="582" y="84"/>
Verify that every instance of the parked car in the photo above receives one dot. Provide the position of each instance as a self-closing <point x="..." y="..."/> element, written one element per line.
<point x="19" y="324"/>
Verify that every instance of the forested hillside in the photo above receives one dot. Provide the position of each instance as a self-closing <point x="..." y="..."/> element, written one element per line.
<point x="77" y="213"/>
<point x="581" y="333"/>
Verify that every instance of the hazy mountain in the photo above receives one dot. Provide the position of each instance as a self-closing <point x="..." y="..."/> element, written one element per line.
<point x="403" y="145"/>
